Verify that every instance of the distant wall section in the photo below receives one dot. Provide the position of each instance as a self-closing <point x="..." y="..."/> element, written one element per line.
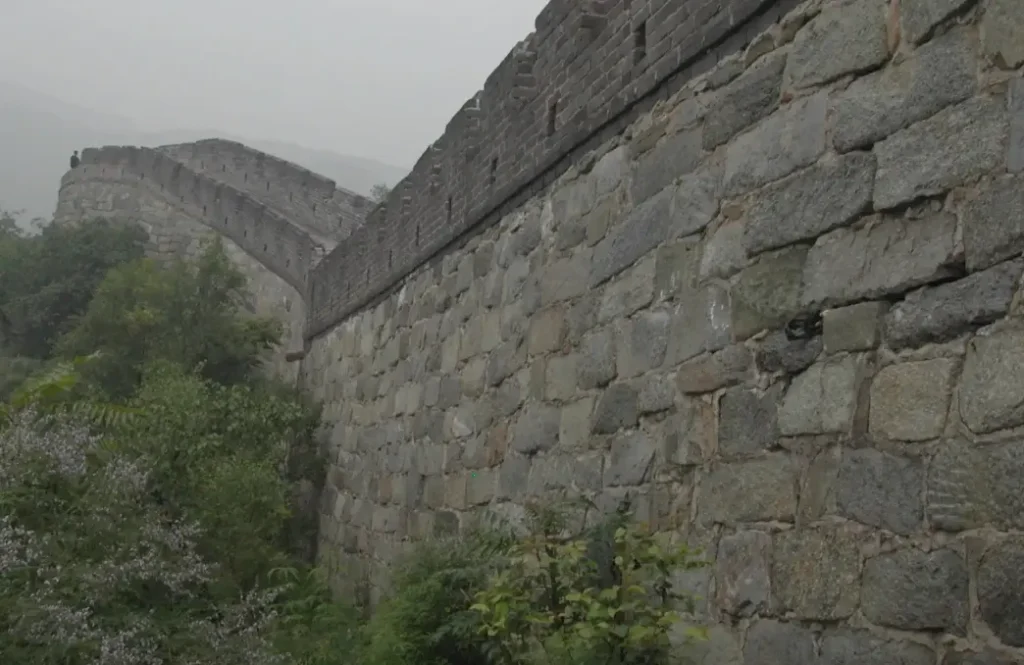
<point x="306" y="198"/>
<point x="135" y="185"/>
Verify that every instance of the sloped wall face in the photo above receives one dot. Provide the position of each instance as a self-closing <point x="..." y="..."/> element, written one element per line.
<point x="304" y="197"/>
<point x="648" y="326"/>
<point x="176" y="230"/>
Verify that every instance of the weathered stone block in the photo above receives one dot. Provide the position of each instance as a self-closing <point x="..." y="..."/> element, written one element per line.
<point x="861" y="647"/>
<point x="616" y="409"/>
<point x="689" y="432"/>
<point x="971" y="487"/>
<point x="823" y="399"/>
<point x="985" y="657"/>
<point x="992" y="382"/>
<point x="513" y="476"/>
<point x="845" y="37"/>
<point x="748" y="421"/>
<point x="574" y="429"/>
<point x="742" y="573"/>
<point x="631" y="460"/>
<point x="920" y="16"/>
<point x="774" y="642"/>
<point x="815" y="573"/>
<point x="909" y="400"/>
<point x="566" y="278"/>
<point x="724" y="254"/>
<point x="672" y="157"/>
<point x="941" y="313"/>
<point x="644" y="228"/>
<point x="560" y="377"/>
<point x="695" y="202"/>
<point x="597" y="365"/>
<point x="536" y="429"/>
<point x="852" y="328"/>
<point x="915" y="590"/>
<point x="956" y="145"/>
<point x="547" y="331"/>
<point x="480" y="486"/>
<point x="675" y="268"/>
<point x="743" y="102"/>
<point x="1002" y="25"/>
<point x="994" y="223"/>
<point x="892" y="256"/>
<point x="710" y="372"/>
<point x="559" y="472"/>
<point x="767" y="293"/>
<point x="789" y="139"/>
<point x="756" y="491"/>
<point x="631" y="291"/>
<point x="880" y="490"/>
<point x="778" y="353"/>
<point x="828" y="195"/>
<point x="940" y="73"/>
<point x="657" y="393"/>
<point x="1001" y="590"/>
<point x="1015" y="95"/>
<point x="701" y="322"/>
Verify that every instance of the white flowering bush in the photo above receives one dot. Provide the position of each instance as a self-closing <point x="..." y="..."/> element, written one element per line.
<point x="94" y="570"/>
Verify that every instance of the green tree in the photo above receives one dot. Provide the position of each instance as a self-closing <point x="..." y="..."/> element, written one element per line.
<point x="189" y="313"/>
<point x="47" y="280"/>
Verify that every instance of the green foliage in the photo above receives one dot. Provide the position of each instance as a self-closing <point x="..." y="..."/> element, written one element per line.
<point x="47" y="280"/>
<point x="428" y="621"/>
<point x="189" y="313"/>
<point x="548" y="605"/>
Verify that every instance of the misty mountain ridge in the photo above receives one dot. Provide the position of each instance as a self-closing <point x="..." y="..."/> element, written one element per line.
<point x="38" y="132"/>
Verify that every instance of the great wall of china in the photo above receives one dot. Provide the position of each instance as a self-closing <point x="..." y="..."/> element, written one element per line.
<point x="606" y="278"/>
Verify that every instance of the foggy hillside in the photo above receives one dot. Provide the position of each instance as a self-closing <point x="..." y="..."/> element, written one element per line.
<point x="38" y="133"/>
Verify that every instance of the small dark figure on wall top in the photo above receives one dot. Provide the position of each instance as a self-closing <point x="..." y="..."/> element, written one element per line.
<point x="74" y="160"/>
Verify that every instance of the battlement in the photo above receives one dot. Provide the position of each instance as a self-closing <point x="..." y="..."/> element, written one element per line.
<point x="265" y="234"/>
<point x="589" y="67"/>
<point x="308" y="199"/>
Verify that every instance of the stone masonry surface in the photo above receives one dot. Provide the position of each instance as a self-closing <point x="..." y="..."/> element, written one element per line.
<point x="617" y="329"/>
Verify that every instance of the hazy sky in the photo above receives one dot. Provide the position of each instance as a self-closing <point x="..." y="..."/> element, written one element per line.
<point x="375" y="78"/>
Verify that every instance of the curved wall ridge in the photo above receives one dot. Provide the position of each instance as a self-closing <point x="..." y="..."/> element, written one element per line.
<point x="282" y="247"/>
<point x="306" y="198"/>
<point x="565" y="88"/>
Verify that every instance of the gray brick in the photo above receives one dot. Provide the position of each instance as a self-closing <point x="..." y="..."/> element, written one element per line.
<point x="823" y="399"/>
<point x="920" y="16"/>
<point x="993" y="223"/>
<point x="616" y="409"/>
<point x="709" y="372"/>
<point x="631" y="460"/>
<point x="597" y="366"/>
<point x="805" y="205"/>
<point x="1002" y="25"/>
<point x="767" y="293"/>
<point x="915" y="590"/>
<point x="1015" y="159"/>
<point x="791" y="138"/>
<point x="971" y="487"/>
<point x="862" y="647"/>
<point x="852" y="328"/>
<point x="956" y="145"/>
<point x="1001" y="590"/>
<point x="671" y="158"/>
<point x="771" y="642"/>
<point x="760" y="490"/>
<point x="909" y="400"/>
<point x="743" y="102"/>
<point x="815" y="573"/>
<point x="992" y="382"/>
<point x="880" y="490"/>
<point x="940" y="73"/>
<point x="641" y="343"/>
<point x="941" y="313"/>
<point x="748" y="421"/>
<point x="536" y="429"/>
<point x="742" y="573"/>
<point x="845" y="37"/>
<point x="695" y="202"/>
<point x="892" y="256"/>
<point x="647" y="226"/>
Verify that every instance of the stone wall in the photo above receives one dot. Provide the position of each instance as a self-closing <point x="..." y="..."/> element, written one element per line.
<point x="647" y="325"/>
<point x="286" y="249"/>
<point x="177" y="227"/>
<point x="306" y="198"/>
<point x="568" y="86"/>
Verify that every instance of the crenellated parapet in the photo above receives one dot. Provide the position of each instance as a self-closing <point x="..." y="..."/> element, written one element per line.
<point x="284" y="248"/>
<point x="587" y="67"/>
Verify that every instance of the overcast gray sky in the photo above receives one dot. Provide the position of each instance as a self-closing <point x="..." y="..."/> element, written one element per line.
<point x="375" y="78"/>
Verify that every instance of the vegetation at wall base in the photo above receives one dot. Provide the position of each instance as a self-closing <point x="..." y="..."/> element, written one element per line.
<point x="148" y="482"/>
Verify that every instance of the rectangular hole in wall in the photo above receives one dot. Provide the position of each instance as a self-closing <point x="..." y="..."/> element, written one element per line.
<point x="552" y="116"/>
<point x="640" y="42"/>
<point x="448" y="209"/>
<point x="494" y="170"/>
<point x="391" y="255"/>
<point x="417" y="235"/>
<point x="367" y="275"/>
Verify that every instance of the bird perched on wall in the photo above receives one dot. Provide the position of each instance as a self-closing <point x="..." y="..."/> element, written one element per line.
<point x="804" y="326"/>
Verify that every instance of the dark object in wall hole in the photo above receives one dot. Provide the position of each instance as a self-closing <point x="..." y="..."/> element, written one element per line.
<point x="804" y="326"/>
